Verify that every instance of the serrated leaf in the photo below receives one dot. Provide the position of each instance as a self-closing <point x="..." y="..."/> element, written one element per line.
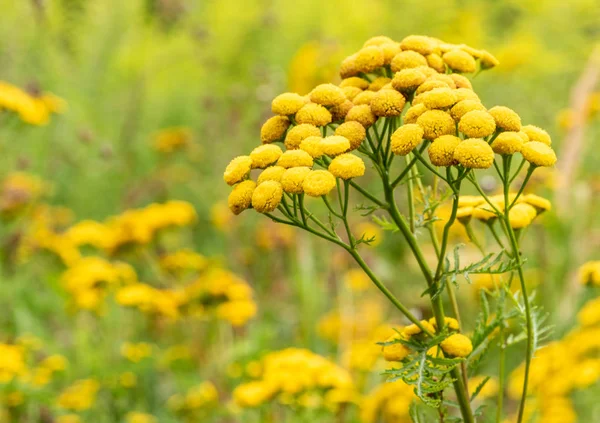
<point x="385" y="224"/>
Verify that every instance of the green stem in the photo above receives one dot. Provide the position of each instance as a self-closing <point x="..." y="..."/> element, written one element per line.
<point x="527" y="177"/>
<point x="410" y="196"/>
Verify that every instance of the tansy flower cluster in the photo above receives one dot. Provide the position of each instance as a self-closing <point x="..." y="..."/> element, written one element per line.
<point x="33" y="109"/>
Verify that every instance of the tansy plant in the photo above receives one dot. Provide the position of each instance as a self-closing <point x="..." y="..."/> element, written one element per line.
<point x="407" y="109"/>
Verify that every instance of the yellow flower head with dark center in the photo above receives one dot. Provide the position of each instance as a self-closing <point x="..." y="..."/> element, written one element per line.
<point x="419" y="43"/>
<point x="353" y="132"/>
<point x="347" y="166"/>
<point x="396" y="351"/>
<point x="457" y="345"/>
<point x="413" y="113"/>
<point x="293" y="178"/>
<point x="313" y="114"/>
<point x="351" y="92"/>
<point x="465" y="94"/>
<point x="538" y="154"/>
<point x="507" y="143"/>
<point x="536" y="133"/>
<point x="369" y="59"/>
<point x="429" y="85"/>
<point x="313" y="146"/>
<point x="465" y="106"/>
<point x="461" y="81"/>
<point x="272" y="173"/>
<point x="439" y="98"/>
<point x="327" y="95"/>
<point x="364" y="98"/>
<point x="265" y="155"/>
<point x="506" y="119"/>
<point x="406" y="138"/>
<point x="436" y="62"/>
<point x="408" y="80"/>
<point x="318" y="183"/>
<point x="441" y="151"/>
<point x="237" y="170"/>
<point x="487" y="60"/>
<point x="274" y="129"/>
<point x="541" y="204"/>
<point x="298" y="133"/>
<point x="335" y="145"/>
<point x="361" y="114"/>
<point x="287" y="103"/>
<point x="388" y="103"/>
<point x="477" y="124"/>
<point x="240" y="197"/>
<point x="295" y="158"/>
<point x="407" y="60"/>
<point x="267" y="196"/>
<point x="474" y="153"/>
<point x="339" y="112"/>
<point x="378" y="40"/>
<point x="460" y="61"/>
<point x="521" y="215"/>
<point x="436" y="123"/>
<point x="355" y="81"/>
<point x="379" y="83"/>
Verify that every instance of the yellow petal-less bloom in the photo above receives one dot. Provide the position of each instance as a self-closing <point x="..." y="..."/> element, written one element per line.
<point x="470" y="200"/>
<point x="441" y="77"/>
<point x="298" y="133"/>
<point x="241" y="197"/>
<point x="348" y="67"/>
<point x="287" y="104"/>
<point x="507" y="143"/>
<point x="474" y="153"/>
<point x="379" y="83"/>
<point x="364" y="98"/>
<point x="388" y="103"/>
<point x="361" y="114"/>
<point x="541" y="204"/>
<point x="413" y="329"/>
<point x="477" y="124"/>
<point x="339" y="112"/>
<point x="237" y="170"/>
<point x="295" y="158"/>
<point x="589" y="274"/>
<point x="521" y="215"/>
<point x="429" y="85"/>
<point x="351" y="92"/>
<point x="353" y="132"/>
<point x="460" y="61"/>
<point x="436" y="123"/>
<point x="439" y="98"/>
<point x="485" y="212"/>
<point x="441" y="151"/>
<point x="253" y="394"/>
<point x="419" y="43"/>
<point x="406" y="60"/>
<point x="538" y="154"/>
<point x="318" y="183"/>
<point x="390" y="50"/>
<point x="265" y="155"/>
<point x="535" y="133"/>
<point x="436" y="62"/>
<point x="457" y="345"/>
<point x="396" y="351"/>
<point x="334" y="145"/>
<point x="408" y="80"/>
<point x="461" y="81"/>
<point x="487" y="60"/>
<point x="313" y="146"/>
<point x="406" y="138"/>
<point x="313" y="114"/>
<point x="347" y="166"/>
<point x="355" y="81"/>
<point x="413" y="113"/>
<point x="369" y="59"/>
<point x="506" y="119"/>
<point x="293" y="178"/>
<point x="272" y="173"/>
<point x="327" y="95"/>
<point x="378" y="40"/>
<point x="465" y="106"/>
<point x="274" y="129"/>
<point x="267" y="196"/>
<point x="450" y="323"/>
<point x="465" y="94"/>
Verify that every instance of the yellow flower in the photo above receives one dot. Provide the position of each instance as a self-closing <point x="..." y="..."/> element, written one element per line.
<point x="379" y="83"/>
<point x="347" y="166"/>
<point x="589" y="273"/>
<point x="136" y="352"/>
<point x="441" y="151"/>
<point x="295" y="158"/>
<point x="265" y="155"/>
<point x="465" y="94"/>
<point x="485" y="212"/>
<point x="461" y="81"/>
<point x="318" y="183"/>
<point x="287" y="104"/>
<point x="54" y="363"/>
<point x="313" y="146"/>
<point x="406" y="138"/>
<point x="272" y="173"/>
<point x="292" y="179"/>
<point x="396" y="351"/>
<point x="436" y="123"/>
<point x="369" y="59"/>
<point x="365" y="97"/>
<point x="457" y="345"/>
<point x="450" y="322"/>
<point x="535" y="133"/>
<point x="406" y="60"/>
<point x="334" y="145"/>
<point x="378" y="40"/>
<point x="388" y="103"/>
<point x="538" y="154"/>
<point x="507" y="143"/>
<point x="12" y="363"/>
<point x="237" y="312"/>
<point x="477" y="124"/>
<point x="506" y="119"/>
<point x="408" y="80"/>
<point x="240" y="197"/>
<point x="253" y="394"/>
<point x="419" y="43"/>
<point x="521" y="215"/>
<point x="351" y="92"/>
<point x="541" y="204"/>
<point x="470" y="200"/>
<point x="361" y="114"/>
<point x="474" y="153"/>
<point x="413" y="329"/>
<point x="274" y="129"/>
<point x="465" y="106"/>
<point x="237" y="170"/>
<point x="348" y="67"/>
<point x="79" y="396"/>
<point x="267" y="196"/>
<point x="353" y="132"/>
<point x="439" y="98"/>
<point x="137" y="417"/>
<point x="298" y="133"/>
<point x="339" y="112"/>
<point x="413" y="113"/>
<point x="355" y="81"/>
<point x="313" y="114"/>
<point x="487" y="60"/>
<point x="327" y="95"/>
<point x="430" y="84"/>
<point x="436" y="62"/>
<point x="460" y="61"/>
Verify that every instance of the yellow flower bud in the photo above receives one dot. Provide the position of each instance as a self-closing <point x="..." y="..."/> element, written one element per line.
<point x="506" y="119"/>
<point x="313" y="114"/>
<point x="298" y="133"/>
<point x="474" y="153"/>
<point x="441" y="151"/>
<point x="334" y="145"/>
<point x="419" y="43"/>
<point x="265" y="155"/>
<point x="353" y="132"/>
<point x="295" y="158"/>
<point x="327" y="95"/>
<point x="272" y="173"/>
<point x="507" y="143"/>
<point x="347" y="166"/>
<point x="406" y="60"/>
<point x="318" y="183"/>
<point x="293" y="178"/>
<point x="436" y="123"/>
<point x="538" y="154"/>
<point x="287" y="103"/>
<point x="477" y="124"/>
<point x="388" y="103"/>
<point x="535" y="133"/>
<point x="465" y="106"/>
<point x="457" y="345"/>
<point x="237" y="170"/>
<point x="361" y="114"/>
<point x="406" y="138"/>
<point x="313" y="146"/>
<point x="240" y="197"/>
<point x="460" y="61"/>
<point x="267" y="196"/>
<point x="274" y="129"/>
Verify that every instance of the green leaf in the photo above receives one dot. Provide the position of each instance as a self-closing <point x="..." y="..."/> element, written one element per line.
<point x="479" y="388"/>
<point x="385" y="224"/>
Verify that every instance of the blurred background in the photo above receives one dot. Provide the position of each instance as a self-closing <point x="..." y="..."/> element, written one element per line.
<point x="123" y="114"/>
